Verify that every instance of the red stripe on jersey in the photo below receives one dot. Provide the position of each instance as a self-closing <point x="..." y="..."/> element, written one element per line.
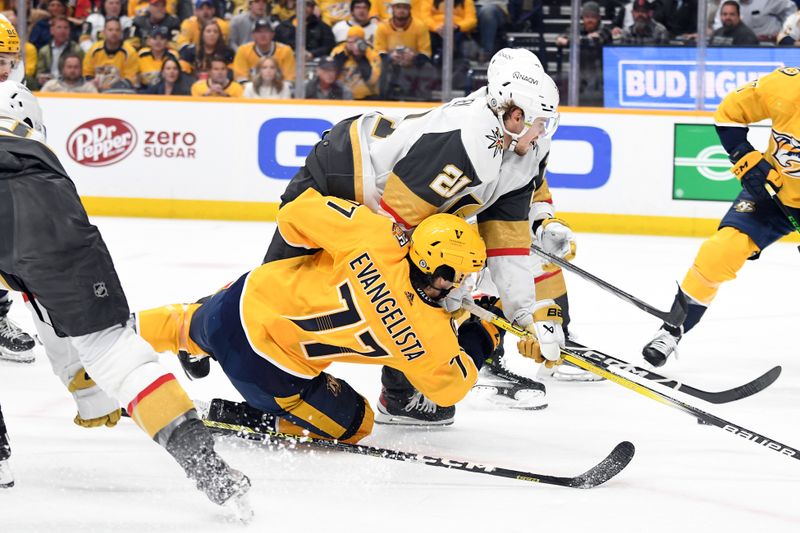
<point x="546" y="275"/>
<point x="497" y="252"/>
<point x="149" y="389"/>
<point x="397" y="218"/>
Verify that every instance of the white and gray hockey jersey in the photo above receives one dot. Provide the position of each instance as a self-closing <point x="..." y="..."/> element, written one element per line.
<point x="447" y="160"/>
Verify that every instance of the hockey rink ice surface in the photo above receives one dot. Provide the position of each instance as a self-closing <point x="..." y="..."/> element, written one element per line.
<point x="684" y="477"/>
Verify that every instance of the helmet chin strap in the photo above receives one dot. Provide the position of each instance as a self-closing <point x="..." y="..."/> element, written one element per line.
<point x="514" y="136"/>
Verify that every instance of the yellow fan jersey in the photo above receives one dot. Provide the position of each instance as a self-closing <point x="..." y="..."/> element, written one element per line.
<point x="351" y="301"/>
<point x="775" y="96"/>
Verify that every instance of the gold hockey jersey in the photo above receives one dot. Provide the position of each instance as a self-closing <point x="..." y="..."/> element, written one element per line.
<point x="351" y="301"/>
<point x="775" y="96"/>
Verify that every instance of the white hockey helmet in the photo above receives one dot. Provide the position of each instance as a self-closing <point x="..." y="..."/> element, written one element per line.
<point x="18" y="103"/>
<point x="516" y="78"/>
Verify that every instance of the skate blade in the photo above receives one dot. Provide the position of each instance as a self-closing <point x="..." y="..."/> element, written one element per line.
<point x="526" y="399"/>
<point x="567" y="374"/>
<point x="238" y="508"/>
<point x="22" y="357"/>
<point x="395" y="420"/>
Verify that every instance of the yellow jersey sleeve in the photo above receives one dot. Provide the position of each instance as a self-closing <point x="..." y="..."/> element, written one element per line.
<point x="315" y="221"/>
<point x="744" y="106"/>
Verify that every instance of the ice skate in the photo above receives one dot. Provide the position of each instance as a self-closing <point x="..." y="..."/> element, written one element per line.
<point x="6" y="477"/>
<point x="193" y="366"/>
<point x="15" y="344"/>
<point x="413" y="410"/>
<point x="502" y="387"/>
<point x="665" y="343"/>
<point x="193" y="447"/>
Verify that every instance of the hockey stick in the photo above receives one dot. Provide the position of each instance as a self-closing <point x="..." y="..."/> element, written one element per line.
<point x="673" y="318"/>
<point x="726" y="396"/>
<point x="606" y="469"/>
<point x="613" y="374"/>
<point x="774" y="195"/>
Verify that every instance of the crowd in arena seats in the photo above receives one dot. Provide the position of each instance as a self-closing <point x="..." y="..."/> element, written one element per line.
<point x="354" y="49"/>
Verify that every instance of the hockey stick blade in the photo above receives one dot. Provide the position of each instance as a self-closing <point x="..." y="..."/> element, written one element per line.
<point x="674" y="317"/>
<point x="617" y="460"/>
<point x="618" y="376"/>
<point x="726" y="396"/>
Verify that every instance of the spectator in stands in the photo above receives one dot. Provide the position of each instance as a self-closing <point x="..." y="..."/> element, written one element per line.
<point x="404" y="32"/>
<point x="217" y="83"/>
<point x="152" y="57"/>
<point x="464" y="21"/>
<point x="156" y="15"/>
<point x="319" y="37"/>
<point x="40" y="32"/>
<point x="172" y="80"/>
<point x="405" y="47"/>
<point x="197" y="58"/>
<point x="679" y="17"/>
<point x="790" y="34"/>
<point x="324" y="85"/>
<point x="764" y="17"/>
<point x="284" y="9"/>
<point x="644" y="31"/>
<point x="331" y="11"/>
<point x="242" y="25"/>
<point x="204" y="11"/>
<point x="359" y="16"/>
<point x="137" y="8"/>
<point x="733" y="32"/>
<point x="492" y="15"/>
<point x="263" y="45"/>
<point x="95" y="23"/>
<point x="110" y="63"/>
<point x="358" y="64"/>
<point x="47" y="63"/>
<point x="269" y="82"/>
<point x="69" y="79"/>
<point x="593" y="36"/>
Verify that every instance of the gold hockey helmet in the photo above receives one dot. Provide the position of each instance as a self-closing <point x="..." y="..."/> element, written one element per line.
<point x="447" y="240"/>
<point x="9" y="39"/>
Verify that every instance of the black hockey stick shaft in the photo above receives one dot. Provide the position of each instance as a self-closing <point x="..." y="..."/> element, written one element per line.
<point x="717" y="397"/>
<point x="609" y="467"/>
<point x="673" y="318"/>
<point x="774" y="195"/>
<point x="616" y="376"/>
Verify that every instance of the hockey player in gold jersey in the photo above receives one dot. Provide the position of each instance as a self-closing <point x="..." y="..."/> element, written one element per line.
<point x="362" y="293"/>
<point x="754" y="221"/>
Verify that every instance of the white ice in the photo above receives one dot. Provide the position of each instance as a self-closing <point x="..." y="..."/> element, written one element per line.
<point x="685" y="477"/>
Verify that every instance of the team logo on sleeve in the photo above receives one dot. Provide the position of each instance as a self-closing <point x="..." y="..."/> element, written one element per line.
<point x="787" y="153"/>
<point x="496" y="143"/>
<point x="399" y="234"/>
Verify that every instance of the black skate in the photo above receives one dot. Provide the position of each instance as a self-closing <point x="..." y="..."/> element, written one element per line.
<point x="412" y="409"/>
<point x="193" y="447"/>
<point x="502" y="387"/>
<point x="665" y="343"/>
<point x="15" y="344"/>
<point x="194" y="367"/>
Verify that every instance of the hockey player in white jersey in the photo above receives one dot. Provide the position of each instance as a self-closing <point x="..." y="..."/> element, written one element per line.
<point x="49" y="249"/>
<point x="447" y="160"/>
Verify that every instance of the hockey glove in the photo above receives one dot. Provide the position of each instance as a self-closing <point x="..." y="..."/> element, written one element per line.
<point x="556" y="237"/>
<point x="547" y="329"/>
<point x="750" y="167"/>
<point x="95" y="408"/>
<point x="480" y="338"/>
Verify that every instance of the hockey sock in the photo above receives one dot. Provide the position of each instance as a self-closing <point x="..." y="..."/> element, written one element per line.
<point x="167" y="328"/>
<point x="161" y="407"/>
